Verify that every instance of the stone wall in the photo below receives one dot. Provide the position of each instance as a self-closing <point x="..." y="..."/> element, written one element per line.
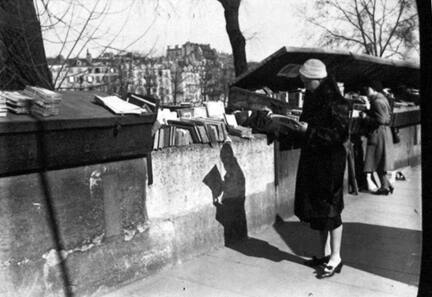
<point x="113" y="228"/>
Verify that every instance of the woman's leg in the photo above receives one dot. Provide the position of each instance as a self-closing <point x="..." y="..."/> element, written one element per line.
<point x="335" y="242"/>
<point x="376" y="179"/>
<point x="371" y="186"/>
<point x="325" y="243"/>
<point x="391" y="177"/>
<point x="385" y="184"/>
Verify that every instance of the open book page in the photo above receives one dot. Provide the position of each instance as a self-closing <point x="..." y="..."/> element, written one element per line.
<point x="282" y="124"/>
<point x="118" y="106"/>
<point x="231" y="120"/>
<point x="285" y="118"/>
<point x="215" y="109"/>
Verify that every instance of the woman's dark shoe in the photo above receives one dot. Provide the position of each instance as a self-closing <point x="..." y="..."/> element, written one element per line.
<point x="331" y="270"/>
<point x="317" y="261"/>
<point x="391" y="189"/>
<point x="382" y="191"/>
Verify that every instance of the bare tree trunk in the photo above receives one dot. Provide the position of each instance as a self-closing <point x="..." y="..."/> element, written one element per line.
<point x="237" y="40"/>
<point x="22" y="54"/>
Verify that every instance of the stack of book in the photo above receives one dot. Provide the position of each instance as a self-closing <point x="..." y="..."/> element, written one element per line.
<point x="17" y="102"/>
<point x="3" y="110"/>
<point x="46" y="103"/>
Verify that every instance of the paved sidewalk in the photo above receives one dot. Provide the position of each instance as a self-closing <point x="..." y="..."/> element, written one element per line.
<point x="381" y="249"/>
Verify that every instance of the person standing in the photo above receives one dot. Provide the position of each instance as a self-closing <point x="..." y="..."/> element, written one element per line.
<point x="319" y="186"/>
<point x="379" y="150"/>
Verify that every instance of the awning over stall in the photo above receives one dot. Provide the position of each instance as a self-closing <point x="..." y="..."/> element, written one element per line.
<point x="345" y="66"/>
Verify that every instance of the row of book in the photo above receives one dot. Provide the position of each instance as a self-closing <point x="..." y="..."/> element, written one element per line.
<point x="181" y="132"/>
<point x="34" y="100"/>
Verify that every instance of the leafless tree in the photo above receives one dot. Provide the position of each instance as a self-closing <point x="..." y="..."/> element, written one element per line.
<point x="382" y="28"/>
<point x="22" y="53"/>
<point x="74" y="25"/>
<point x="177" y="78"/>
<point x="210" y="73"/>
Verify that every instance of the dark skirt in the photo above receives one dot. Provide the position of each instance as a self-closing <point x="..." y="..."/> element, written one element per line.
<point x="319" y="184"/>
<point x="326" y="224"/>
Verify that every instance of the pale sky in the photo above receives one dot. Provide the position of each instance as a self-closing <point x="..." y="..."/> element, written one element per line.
<point x="267" y="25"/>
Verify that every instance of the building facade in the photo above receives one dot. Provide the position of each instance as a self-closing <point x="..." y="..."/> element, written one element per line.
<point x="190" y="73"/>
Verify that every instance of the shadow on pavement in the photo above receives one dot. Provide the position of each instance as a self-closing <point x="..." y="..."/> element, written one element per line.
<point x="254" y="247"/>
<point x="392" y="253"/>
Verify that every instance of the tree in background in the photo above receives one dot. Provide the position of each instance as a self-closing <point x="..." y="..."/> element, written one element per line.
<point x="210" y="75"/>
<point x="177" y="79"/>
<point x="22" y="53"/>
<point x="75" y="25"/>
<point x="383" y="28"/>
<point x="237" y="40"/>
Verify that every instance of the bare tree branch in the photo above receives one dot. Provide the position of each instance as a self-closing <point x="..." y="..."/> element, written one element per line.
<point x="402" y="7"/>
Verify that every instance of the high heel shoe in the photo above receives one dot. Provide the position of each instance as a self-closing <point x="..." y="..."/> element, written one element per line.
<point x="382" y="191"/>
<point x="391" y="189"/>
<point x="331" y="270"/>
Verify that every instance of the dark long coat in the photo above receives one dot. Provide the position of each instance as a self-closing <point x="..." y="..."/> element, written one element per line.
<point x="379" y="150"/>
<point x="319" y="185"/>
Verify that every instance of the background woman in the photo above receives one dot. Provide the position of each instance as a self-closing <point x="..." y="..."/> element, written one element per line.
<point x="379" y="150"/>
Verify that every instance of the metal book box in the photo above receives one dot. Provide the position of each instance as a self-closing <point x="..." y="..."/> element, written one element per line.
<point x="83" y="133"/>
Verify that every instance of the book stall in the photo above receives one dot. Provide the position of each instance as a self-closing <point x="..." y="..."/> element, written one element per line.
<point x="273" y="85"/>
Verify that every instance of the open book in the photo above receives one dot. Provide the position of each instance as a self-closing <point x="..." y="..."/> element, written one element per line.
<point x="292" y="119"/>
<point x="119" y="106"/>
<point x="283" y="124"/>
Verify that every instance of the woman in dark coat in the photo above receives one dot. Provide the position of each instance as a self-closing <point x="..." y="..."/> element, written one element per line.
<point x="379" y="150"/>
<point x="319" y="187"/>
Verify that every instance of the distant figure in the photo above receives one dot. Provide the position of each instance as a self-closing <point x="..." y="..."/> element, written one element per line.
<point x="319" y="188"/>
<point x="379" y="150"/>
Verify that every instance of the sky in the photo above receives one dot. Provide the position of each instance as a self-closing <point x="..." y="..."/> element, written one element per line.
<point x="267" y="25"/>
<point x="150" y="26"/>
